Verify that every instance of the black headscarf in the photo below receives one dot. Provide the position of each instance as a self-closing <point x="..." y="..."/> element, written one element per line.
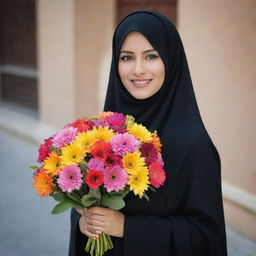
<point x="173" y="110"/>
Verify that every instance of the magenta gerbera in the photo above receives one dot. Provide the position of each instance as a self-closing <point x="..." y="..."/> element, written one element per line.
<point x="64" y="137"/>
<point x="95" y="164"/>
<point x="117" y="119"/>
<point x="156" y="174"/>
<point x="115" y="178"/>
<point x="124" y="143"/>
<point x="149" y="152"/>
<point x="70" y="178"/>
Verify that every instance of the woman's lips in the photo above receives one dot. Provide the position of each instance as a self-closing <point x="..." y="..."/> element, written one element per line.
<point x="141" y="83"/>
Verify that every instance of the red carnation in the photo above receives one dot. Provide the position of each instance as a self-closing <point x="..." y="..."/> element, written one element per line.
<point x="101" y="150"/>
<point x="82" y="125"/>
<point x="156" y="174"/>
<point x="94" y="179"/>
<point x="44" y="150"/>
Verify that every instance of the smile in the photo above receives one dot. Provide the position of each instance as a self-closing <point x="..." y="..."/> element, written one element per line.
<point x="141" y="83"/>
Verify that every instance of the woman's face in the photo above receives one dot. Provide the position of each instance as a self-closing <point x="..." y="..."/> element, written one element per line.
<point x="140" y="67"/>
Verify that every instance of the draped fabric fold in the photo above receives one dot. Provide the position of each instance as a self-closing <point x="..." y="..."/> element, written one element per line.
<point x="185" y="216"/>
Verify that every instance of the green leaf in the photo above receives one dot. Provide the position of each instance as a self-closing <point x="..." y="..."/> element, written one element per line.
<point x="88" y="200"/>
<point x="95" y="193"/>
<point x="74" y="197"/>
<point x="151" y="188"/>
<point x="145" y="196"/>
<point x="33" y="167"/>
<point x="61" y="197"/>
<point x="115" y="202"/>
<point x="62" y="207"/>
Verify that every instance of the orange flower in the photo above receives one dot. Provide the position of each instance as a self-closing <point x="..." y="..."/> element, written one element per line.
<point x="156" y="142"/>
<point x="104" y="115"/>
<point x="43" y="182"/>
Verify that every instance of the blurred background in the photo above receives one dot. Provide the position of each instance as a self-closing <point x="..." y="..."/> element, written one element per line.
<point x="54" y="64"/>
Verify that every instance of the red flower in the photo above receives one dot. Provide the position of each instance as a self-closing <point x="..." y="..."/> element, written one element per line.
<point x="101" y="150"/>
<point x="82" y="125"/>
<point x="94" y="179"/>
<point x="44" y="150"/>
<point x="156" y="174"/>
<point x="112" y="160"/>
<point x="149" y="152"/>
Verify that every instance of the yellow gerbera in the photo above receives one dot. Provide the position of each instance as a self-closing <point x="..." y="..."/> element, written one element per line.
<point x="53" y="164"/>
<point x="132" y="162"/>
<point x="139" y="181"/>
<point x="102" y="133"/>
<point x="43" y="182"/>
<point x="85" y="140"/>
<point x="72" y="154"/>
<point x="140" y="132"/>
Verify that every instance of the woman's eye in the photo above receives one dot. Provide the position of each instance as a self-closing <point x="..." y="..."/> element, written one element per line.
<point x="126" y="58"/>
<point x="151" y="56"/>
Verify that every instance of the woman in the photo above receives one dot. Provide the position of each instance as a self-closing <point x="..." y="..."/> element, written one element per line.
<point x="150" y="80"/>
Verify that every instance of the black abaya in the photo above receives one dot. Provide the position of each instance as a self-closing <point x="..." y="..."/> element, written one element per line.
<point x="185" y="216"/>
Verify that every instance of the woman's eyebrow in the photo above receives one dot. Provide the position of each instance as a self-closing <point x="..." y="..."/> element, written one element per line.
<point x="130" y="52"/>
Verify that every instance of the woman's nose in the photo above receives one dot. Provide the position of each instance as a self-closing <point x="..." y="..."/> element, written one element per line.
<point x="139" y="68"/>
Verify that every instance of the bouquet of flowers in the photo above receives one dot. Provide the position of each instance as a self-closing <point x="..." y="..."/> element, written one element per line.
<point x="97" y="162"/>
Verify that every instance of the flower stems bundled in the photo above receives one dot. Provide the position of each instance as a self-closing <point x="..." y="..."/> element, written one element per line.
<point x="97" y="162"/>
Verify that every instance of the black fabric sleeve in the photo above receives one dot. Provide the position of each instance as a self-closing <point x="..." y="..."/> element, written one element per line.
<point x="198" y="227"/>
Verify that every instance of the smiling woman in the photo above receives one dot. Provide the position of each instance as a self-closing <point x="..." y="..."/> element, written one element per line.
<point x="140" y="67"/>
<point x="150" y="80"/>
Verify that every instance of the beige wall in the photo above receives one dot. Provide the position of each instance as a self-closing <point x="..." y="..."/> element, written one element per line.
<point x="71" y="42"/>
<point x="220" y="42"/>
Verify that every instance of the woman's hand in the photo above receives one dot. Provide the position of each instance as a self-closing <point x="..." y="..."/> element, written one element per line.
<point x="97" y="220"/>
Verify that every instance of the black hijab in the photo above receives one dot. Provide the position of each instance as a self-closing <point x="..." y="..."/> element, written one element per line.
<point x="173" y="110"/>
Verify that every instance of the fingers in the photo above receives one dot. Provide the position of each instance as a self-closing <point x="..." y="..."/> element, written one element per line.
<point x="88" y="229"/>
<point x="81" y="211"/>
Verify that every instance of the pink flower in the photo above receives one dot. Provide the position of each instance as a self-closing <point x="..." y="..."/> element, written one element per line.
<point x="115" y="178"/>
<point x="117" y="122"/>
<point x="124" y="143"/>
<point x="117" y="119"/>
<point x="44" y="150"/>
<point x="149" y="152"/>
<point x="64" y="137"/>
<point x="70" y="178"/>
<point x="160" y="159"/>
<point x="95" y="164"/>
<point x="156" y="174"/>
<point x="101" y="123"/>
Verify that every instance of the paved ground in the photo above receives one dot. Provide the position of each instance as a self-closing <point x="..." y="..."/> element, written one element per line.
<point x="26" y="226"/>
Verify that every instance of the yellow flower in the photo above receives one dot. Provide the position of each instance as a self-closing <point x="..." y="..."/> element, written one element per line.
<point x="72" y="154"/>
<point x="53" y="164"/>
<point x="102" y="133"/>
<point x="140" y="132"/>
<point x="132" y="162"/>
<point x="85" y="140"/>
<point x="139" y="181"/>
